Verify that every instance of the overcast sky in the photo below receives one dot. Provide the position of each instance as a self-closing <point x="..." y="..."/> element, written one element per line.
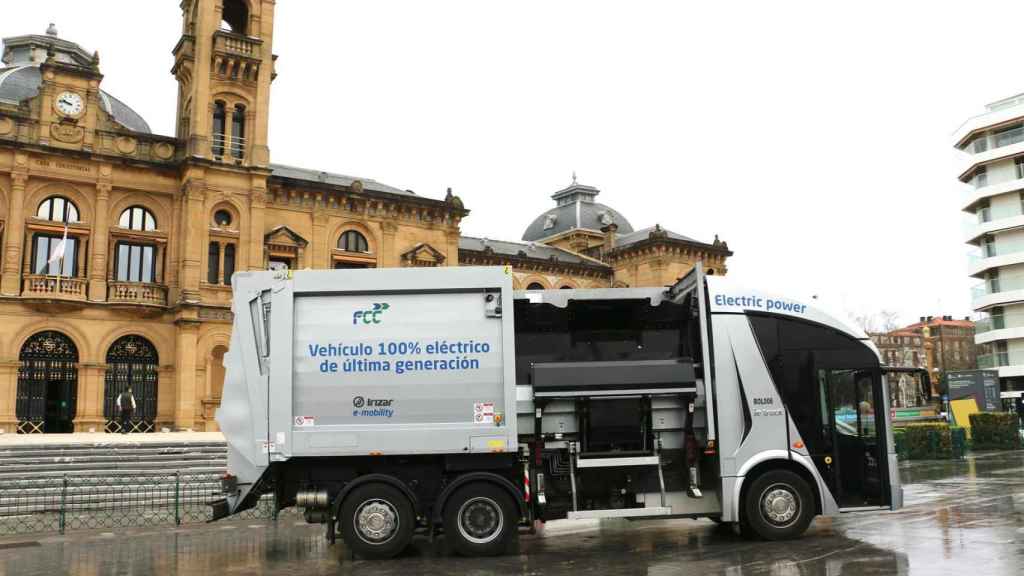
<point x="814" y="139"/>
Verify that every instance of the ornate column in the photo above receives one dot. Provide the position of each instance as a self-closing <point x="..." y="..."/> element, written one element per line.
<point x="318" y="249"/>
<point x="192" y="223"/>
<point x="99" y="243"/>
<point x="8" y="396"/>
<point x="452" y="256"/>
<point x="257" y="208"/>
<point x="165" y="396"/>
<point x="10" y="283"/>
<point x="388" y="257"/>
<point x="185" y="370"/>
<point x="89" y="411"/>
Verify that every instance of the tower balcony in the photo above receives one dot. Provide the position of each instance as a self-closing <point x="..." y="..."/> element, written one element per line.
<point x="236" y="44"/>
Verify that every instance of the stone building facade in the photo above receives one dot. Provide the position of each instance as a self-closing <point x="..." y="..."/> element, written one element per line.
<point x="119" y="244"/>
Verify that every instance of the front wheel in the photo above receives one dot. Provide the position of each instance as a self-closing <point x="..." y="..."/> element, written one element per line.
<point x="376" y="521"/>
<point x="779" y="505"/>
<point x="480" y="520"/>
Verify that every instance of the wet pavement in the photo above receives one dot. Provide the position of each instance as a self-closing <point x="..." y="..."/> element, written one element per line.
<point x="963" y="517"/>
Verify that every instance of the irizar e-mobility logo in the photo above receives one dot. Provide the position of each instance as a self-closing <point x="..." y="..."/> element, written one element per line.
<point x="370" y="315"/>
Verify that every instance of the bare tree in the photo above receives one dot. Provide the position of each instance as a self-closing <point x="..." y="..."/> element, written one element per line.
<point x="881" y="321"/>
<point x="889" y="320"/>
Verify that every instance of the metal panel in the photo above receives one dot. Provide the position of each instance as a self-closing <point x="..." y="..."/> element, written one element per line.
<point x="401" y="362"/>
<point x="614" y="462"/>
<point x="617" y="375"/>
<point x="621" y="513"/>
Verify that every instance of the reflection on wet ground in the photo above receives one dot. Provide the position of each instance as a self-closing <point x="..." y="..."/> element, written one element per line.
<point x="961" y="517"/>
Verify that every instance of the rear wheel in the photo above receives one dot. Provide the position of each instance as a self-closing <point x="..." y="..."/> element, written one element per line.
<point x="779" y="505"/>
<point x="480" y="520"/>
<point x="376" y="521"/>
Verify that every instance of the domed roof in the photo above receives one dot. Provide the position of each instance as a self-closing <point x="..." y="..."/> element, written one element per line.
<point x="575" y="209"/>
<point x="20" y="76"/>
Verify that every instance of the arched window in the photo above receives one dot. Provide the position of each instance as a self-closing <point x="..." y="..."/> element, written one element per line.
<point x="235" y="17"/>
<point x="353" y="241"/>
<point x="213" y="263"/>
<point x="132" y="362"/>
<point x="47" y="391"/>
<point x="137" y="218"/>
<point x="229" y="263"/>
<point x="566" y="288"/>
<point x="222" y="218"/>
<point x="219" y="120"/>
<point x="238" y="131"/>
<point x="535" y="286"/>
<point x="58" y="209"/>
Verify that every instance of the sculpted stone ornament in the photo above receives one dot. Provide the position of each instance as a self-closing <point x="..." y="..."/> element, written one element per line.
<point x="6" y="125"/>
<point x="126" y="145"/>
<point x="68" y="133"/>
<point x="163" y="151"/>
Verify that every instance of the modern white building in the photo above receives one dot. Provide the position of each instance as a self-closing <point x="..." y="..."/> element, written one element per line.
<point x="991" y="170"/>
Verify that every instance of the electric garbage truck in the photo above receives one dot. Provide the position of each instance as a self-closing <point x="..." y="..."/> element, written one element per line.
<point x="392" y="402"/>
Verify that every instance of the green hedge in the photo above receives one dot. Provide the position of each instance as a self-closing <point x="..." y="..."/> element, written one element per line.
<point x="995" y="431"/>
<point x="930" y="441"/>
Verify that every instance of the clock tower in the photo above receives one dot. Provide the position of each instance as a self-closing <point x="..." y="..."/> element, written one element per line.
<point x="224" y="66"/>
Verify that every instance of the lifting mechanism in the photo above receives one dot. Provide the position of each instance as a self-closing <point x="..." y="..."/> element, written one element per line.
<point x="614" y="407"/>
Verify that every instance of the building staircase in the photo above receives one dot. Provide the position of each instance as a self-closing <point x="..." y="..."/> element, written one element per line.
<point x="94" y="473"/>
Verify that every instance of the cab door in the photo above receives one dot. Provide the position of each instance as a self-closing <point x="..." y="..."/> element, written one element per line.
<point x="853" y="421"/>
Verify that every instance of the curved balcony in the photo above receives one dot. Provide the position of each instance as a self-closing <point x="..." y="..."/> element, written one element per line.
<point x="976" y="266"/>
<point x="999" y="334"/>
<point x="985" y="300"/>
<point x="973" y="195"/>
<point x="967" y="162"/>
<point x="974" y="232"/>
<point x="54" y="287"/>
<point x="1002" y="112"/>
<point x="139" y="293"/>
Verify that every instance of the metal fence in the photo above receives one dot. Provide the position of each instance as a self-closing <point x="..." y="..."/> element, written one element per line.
<point x="65" y="503"/>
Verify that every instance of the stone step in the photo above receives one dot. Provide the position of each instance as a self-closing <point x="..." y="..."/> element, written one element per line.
<point x="46" y="450"/>
<point x="122" y="457"/>
<point x="123" y="472"/>
<point x="111" y="466"/>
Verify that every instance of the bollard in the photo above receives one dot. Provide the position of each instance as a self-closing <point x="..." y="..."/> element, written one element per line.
<point x="177" y="500"/>
<point x="63" y="502"/>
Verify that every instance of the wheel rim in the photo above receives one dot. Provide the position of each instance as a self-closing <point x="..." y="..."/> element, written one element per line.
<point x="480" y="520"/>
<point x="780" y="505"/>
<point x="376" y="521"/>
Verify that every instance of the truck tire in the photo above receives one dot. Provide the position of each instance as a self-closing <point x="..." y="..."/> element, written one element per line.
<point x="779" y="505"/>
<point x="376" y="521"/>
<point x="480" y="519"/>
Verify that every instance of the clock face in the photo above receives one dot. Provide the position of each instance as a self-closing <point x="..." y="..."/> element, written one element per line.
<point x="70" y="104"/>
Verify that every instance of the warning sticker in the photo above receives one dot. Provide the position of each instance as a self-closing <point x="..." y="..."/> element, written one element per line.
<point x="483" y="412"/>
<point x="303" y="421"/>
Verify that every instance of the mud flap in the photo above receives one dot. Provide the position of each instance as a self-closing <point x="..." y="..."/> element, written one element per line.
<point x="221" y="509"/>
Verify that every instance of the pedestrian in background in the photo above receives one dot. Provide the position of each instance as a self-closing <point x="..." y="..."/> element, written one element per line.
<point x="126" y="407"/>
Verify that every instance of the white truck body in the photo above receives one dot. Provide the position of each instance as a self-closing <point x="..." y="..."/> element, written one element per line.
<point x="576" y="403"/>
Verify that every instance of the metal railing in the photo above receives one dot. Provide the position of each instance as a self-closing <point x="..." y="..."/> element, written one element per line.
<point x="228" y="146"/>
<point x="994" y="360"/>
<point x="62" y="503"/>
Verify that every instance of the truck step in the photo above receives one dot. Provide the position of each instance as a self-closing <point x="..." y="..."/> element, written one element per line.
<point x="618" y="462"/>
<point x="621" y="513"/>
